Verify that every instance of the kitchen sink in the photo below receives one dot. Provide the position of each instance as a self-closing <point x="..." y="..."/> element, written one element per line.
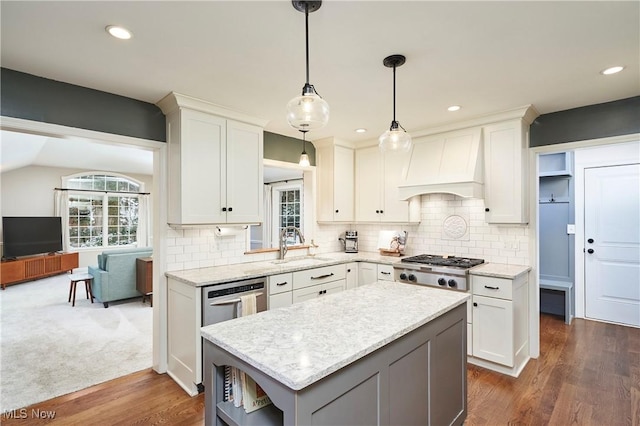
<point x="304" y="260"/>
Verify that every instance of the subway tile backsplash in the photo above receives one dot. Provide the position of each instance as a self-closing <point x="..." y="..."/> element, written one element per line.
<point x="449" y="225"/>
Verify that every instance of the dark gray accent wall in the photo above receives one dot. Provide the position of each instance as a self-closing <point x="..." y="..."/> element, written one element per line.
<point x="35" y="98"/>
<point x="615" y="118"/>
<point x="285" y="148"/>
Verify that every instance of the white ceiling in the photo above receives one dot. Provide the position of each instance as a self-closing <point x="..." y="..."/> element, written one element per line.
<point x="249" y="56"/>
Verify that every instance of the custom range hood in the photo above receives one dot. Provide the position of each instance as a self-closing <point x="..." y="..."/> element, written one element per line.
<point x="450" y="163"/>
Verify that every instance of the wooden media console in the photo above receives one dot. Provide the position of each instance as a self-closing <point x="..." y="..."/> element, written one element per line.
<point x="36" y="267"/>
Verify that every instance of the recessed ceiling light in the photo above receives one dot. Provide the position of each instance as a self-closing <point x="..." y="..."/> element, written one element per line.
<point x="361" y="130"/>
<point x="453" y="108"/>
<point x="119" y="32"/>
<point x="612" y="70"/>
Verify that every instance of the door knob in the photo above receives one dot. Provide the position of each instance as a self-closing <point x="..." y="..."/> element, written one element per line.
<point x="590" y="240"/>
<point x="590" y="251"/>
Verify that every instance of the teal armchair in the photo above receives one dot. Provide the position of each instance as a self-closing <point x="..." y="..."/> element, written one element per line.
<point x="114" y="278"/>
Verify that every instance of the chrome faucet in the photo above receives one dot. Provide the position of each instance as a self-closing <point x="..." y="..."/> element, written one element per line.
<point x="283" y="238"/>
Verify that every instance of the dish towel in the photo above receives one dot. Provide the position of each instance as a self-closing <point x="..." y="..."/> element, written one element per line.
<point x="248" y="305"/>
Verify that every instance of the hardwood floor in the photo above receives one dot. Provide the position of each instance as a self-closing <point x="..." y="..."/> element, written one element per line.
<point x="588" y="374"/>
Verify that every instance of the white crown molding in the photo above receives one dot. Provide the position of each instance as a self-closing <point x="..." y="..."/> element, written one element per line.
<point x="527" y="113"/>
<point x="175" y="101"/>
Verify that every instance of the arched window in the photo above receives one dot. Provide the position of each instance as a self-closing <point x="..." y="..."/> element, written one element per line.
<point x="104" y="210"/>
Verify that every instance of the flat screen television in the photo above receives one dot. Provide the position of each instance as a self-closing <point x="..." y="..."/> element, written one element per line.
<point x="28" y="235"/>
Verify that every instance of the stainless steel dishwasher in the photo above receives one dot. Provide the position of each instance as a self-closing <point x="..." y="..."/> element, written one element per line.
<point x="221" y="302"/>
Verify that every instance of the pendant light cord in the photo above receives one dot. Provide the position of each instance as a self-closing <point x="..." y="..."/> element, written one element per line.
<point x="394" y="93"/>
<point x="304" y="142"/>
<point x="306" y="31"/>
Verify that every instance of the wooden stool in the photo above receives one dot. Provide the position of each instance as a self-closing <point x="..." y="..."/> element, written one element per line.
<point x="87" y="278"/>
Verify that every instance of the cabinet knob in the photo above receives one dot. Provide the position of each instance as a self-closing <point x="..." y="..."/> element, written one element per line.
<point x="381" y="211"/>
<point x="486" y="209"/>
<point x="337" y="210"/>
<point x="377" y="211"/>
<point x="475" y="304"/>
<point x="224" y="209"/>
<point x="230" y="209"/>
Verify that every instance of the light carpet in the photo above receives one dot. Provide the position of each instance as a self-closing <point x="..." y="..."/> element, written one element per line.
<point x="49" y="348"/>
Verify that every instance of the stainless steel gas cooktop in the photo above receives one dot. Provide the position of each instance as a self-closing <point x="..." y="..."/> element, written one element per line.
<point x="448" y="272"/>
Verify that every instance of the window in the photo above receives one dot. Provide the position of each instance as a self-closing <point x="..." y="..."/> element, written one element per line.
<point x="289" y="208"/>
<point x="104" y="210"/>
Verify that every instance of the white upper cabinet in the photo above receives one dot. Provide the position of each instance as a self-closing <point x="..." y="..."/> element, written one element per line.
<point x="506" y="172"/>
<point x="215" y="163"/>
<point x="377" y="179"/>
<point x="244" y="177"/>
<point x="335" y="179"/>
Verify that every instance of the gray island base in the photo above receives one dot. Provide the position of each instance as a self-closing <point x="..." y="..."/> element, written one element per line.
<point x="381" y="354"/>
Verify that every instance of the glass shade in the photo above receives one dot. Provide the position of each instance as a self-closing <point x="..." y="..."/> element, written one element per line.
<point x="395" y="140"/>
<point x="304" y="160"/>
<point x="307" y="112"/>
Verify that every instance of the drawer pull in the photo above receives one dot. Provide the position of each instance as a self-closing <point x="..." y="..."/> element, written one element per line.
<point x="322" y="276"/>
<point x="492" y="288"/>
<point x="385" y="273"/>
<point x="281" y="284"/>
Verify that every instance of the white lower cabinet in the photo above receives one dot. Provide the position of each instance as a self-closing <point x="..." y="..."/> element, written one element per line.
<point x="319" y="290"/>
<point x="293" y="287"/>
<point x="493" y="329"/>
<point x="184" y="345"/>
<point x="352" y="275"/>
<point x="499" y="323"/>
<point x="369" y="273"/>
<point x="280" y="287"/>
<point x="384" y="272"/>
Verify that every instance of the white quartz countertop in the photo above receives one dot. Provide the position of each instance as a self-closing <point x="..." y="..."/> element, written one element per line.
<point x="218" y="274"/>
<point x="499" y="270"/>
<point x="305" y="342"/>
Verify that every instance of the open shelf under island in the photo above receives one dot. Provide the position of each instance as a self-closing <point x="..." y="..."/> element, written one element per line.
<point x="385" y="353"/>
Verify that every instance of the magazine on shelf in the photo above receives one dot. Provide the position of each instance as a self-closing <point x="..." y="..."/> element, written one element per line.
<point x="253" y="395"/>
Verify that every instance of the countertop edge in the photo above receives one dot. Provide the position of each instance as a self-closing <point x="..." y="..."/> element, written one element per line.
<point x="249" y="270"/>
<point x="498" y="270"/>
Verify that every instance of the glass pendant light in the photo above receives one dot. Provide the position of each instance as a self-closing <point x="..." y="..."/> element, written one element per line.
<point x="307" y="111"/>
<point x="396" y="139"/>
<point x="304" y="158"/>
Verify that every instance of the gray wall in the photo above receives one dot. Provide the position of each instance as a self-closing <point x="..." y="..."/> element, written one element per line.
<point x="35" y="98"/>
<point x="39" y="99"/>
<point x="285" y="148"/>
<point x="590" y="122"/>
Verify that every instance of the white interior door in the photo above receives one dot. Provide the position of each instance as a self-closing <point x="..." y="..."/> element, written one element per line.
<point x="612" y="244"/>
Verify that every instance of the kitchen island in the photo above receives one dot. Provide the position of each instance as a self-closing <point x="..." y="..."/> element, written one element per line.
<point x="385" y="353"/>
